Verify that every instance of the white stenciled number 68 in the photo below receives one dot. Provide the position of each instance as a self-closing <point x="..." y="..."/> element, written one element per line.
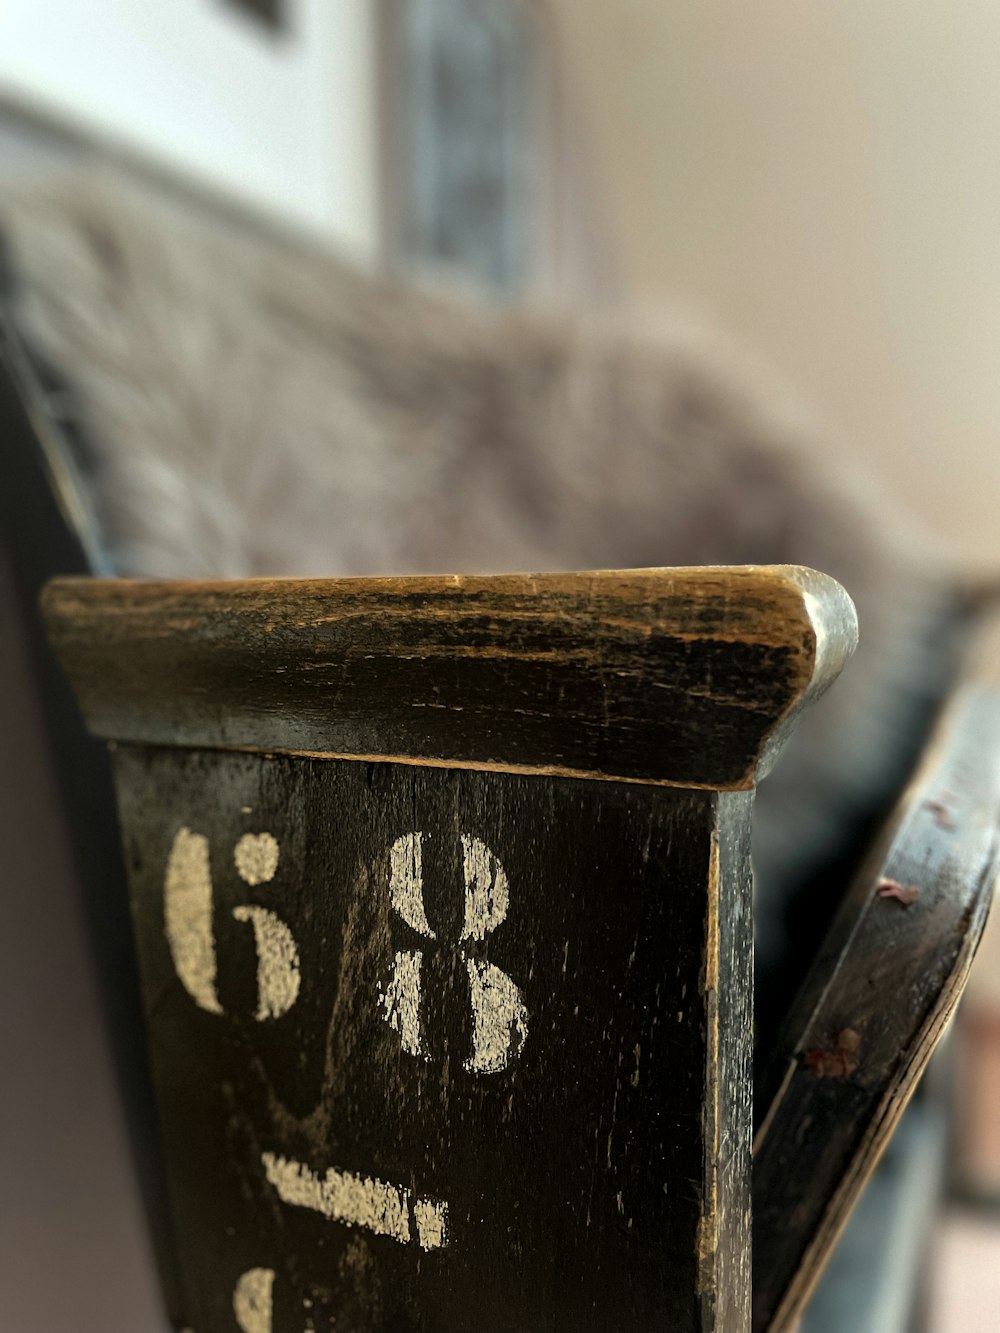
<point x="500" y="1018"/>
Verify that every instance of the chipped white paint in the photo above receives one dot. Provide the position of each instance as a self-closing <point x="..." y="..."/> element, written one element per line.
<point x="487" y="895"/>
<point x="187" y="913"/>
<point x="278" y="974"/>
<point x="401" y="1000"/>
<point x="359" y="1201"/>
<point x="501" y="1018"/>
<point x="406" y="885"/>
<point x="253" y="1302"/>
<point x="256" y="857"/>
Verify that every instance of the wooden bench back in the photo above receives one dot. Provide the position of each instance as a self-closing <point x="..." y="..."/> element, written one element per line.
<point x="443" y="904"/>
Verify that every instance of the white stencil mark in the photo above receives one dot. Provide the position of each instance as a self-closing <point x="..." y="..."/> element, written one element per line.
<point x="253" y="1300"/>
<point x="406" y="885"/>
<point x="500" y="1016"/>
<point x="401" y="1000"/>
<point x="187" y="913"/>
<point x="432" y="1222"/>
<point x="278" y="976"/>
<point x="256" y="858"/>
<point x="359" y="1201"/>
<point x="487" y="895"/>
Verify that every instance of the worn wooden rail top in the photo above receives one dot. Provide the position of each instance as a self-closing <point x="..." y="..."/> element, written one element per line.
<point x="685" y="677"/>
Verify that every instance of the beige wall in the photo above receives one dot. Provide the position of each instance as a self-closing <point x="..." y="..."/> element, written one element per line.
<point x="823" y="180"/>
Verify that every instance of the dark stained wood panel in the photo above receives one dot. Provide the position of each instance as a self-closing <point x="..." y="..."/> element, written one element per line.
<point x="878" y="997"/>
<point x="688" y="677"/>
<point x="585" y="1122"/>
<point x="458" y="1041"/>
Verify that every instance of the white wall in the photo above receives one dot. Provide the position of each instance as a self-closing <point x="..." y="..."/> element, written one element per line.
<point x="823" y="179"/>
<point x="285" y="121"/>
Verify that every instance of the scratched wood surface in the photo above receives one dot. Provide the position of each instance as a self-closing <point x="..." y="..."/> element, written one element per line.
<point x="682" y="676"/>
<point x="879" y="995"/>
<point x="443" y="1050"/>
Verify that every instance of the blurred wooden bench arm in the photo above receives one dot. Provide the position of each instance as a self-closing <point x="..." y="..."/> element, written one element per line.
<point x="343" y="1133"/>
<point x="880" y="994"/>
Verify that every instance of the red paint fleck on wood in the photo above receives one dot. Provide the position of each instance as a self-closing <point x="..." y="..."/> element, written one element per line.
<point x="942" y="815"/>
<point x="840" y="1061"/>
<point x="905" y="894"/>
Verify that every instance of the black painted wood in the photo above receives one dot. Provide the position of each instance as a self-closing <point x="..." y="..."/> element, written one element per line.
<point x="878" y="996"/>
<point x="683" y="676"/>
<point x="598" y="1181"/>
<point x="344" y="1055"/>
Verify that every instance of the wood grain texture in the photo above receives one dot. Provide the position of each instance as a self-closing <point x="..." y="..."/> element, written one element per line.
<point x="727" y="1275"/>
<point x="688" y="677"/>
<point x="878" y="997"/>
<point x="598" y="1181"/>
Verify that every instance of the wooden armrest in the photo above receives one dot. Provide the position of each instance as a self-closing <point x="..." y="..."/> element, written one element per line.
<point x="688" y="677"/>
<point x="447" y="1034"/>
<point x="879" y="996"/>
